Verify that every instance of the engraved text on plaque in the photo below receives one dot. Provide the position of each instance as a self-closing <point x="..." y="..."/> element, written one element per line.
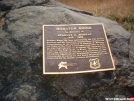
<point x="75" y="48"/>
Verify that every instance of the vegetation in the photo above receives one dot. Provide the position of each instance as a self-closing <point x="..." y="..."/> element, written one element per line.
<point x="121" y="11"/>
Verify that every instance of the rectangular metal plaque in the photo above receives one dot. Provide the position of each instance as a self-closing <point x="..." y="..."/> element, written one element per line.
<point x="76" y="48"/>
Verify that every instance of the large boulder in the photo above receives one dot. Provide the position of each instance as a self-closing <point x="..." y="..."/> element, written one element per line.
<point x="21" y="75"/>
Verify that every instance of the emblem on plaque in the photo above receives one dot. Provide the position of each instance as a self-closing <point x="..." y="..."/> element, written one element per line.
<point x="94" y="63"/>
<point x="62" y="65"/>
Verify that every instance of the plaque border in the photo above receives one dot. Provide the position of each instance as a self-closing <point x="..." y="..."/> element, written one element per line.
<point x="86" y="71"/>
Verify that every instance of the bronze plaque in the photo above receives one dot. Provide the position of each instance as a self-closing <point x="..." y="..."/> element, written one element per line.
<point x="76" y="48"/>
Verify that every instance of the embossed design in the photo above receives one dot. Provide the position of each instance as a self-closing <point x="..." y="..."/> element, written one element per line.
<point x="94" y="63"/>
<point x="62" y="65"/>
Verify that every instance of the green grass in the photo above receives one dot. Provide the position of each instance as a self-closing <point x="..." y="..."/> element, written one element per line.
<point x="126" y="22"/>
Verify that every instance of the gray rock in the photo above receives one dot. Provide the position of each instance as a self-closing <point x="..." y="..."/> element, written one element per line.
<point x="71" y="84"/>
<point x="131" y="58"/>
<point x="21" y="56"/>
<point x="1" y="86"/>
<point x="131" y="46"/>
<point x="13" y="4"/>
<point x="23" y="93"/>
<point x="131" y="82"/>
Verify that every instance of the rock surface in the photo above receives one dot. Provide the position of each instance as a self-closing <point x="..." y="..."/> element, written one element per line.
<point x="21" y="77"/>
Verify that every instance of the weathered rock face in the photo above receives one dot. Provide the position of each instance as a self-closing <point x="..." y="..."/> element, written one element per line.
<point x="21" y="77"/>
